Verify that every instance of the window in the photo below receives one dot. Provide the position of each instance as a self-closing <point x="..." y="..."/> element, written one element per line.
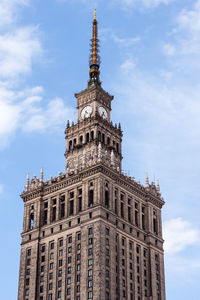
<point x="27" y="281"/>
<point x="60" y="263"/>
<point x="78" y="290"/>
<point x="28" y="262"/>
<point x="70" y="249"/>
<point x="41" y="289"/>
<point x="27" y="292"/>
<point x="51" y="266"/>
<point x="69" y="280"/>
<point x="27" y="271"/>
<point x="29" y="252"/>
<point x="89" y="283"/>
<point x="107" y="284"/>
<point x="122" y="209"/>
<point x="59" y="294"/>
<point x="52" y="246"/>
<point x="90" y="240"/>
<point x="107" y="198"/>
<point x="107" y="262"/>
<point x="91" y="197"/>
<point x="50" y="286"/>
<point x="155" y="226"/>
<point x="78" y="256"/>
<point x="53" y="218"/>
<point x="61" y="243"/>
<point x="68" y="291"/>
<point x="90" y="295"/>
<point x="69" y="260"/>
<point x="107" y="273"/>
<point x="129" y="213"/>
<point x="41" y="278"/>
<point x="43" y="249"/>
<point x="70" y="239"/>
<point x="78" y="267"/>
<point x="69" y="270"/>
<point x="31" y="224"/>
<point x="59" y="273"/>
<point x="45" y="216"/>
<point x="50" y="297"/>
<point x="90" y="231"/>
<point x="71" y="207"/>
<point x="90" y="262"/>
<point x="50" y="276"/>
<point x="59" y="283"/>
<point x="51" y="255"/>
<point x="61" y="252"/>
<point x="79" y="247"/>
<point x="107" y="241"/>
<point x="89" y="272"/>
<point x="107" y="231"/>
<point x="79" y="236"/>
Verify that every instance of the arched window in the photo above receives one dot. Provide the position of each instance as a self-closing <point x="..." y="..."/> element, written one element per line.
<point x="87" y="137"/>
<point x="81" y="139"/>
<point x="107" y="198"/>
<point x="92" y="135"/>
<point x="31" y="223"/>
<point x="90" y="198"/>
<point x="70" y="145"/>
<point x="108" y="140"/>
<point x="99" y="136"/>
<point x="103" y="138"/>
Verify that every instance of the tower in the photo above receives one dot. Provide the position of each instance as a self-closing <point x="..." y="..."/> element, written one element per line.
<point x="92" y="232"/>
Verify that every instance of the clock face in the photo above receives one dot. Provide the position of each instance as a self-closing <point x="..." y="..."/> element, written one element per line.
<point x="103" y="113"/>
<point x="86" y="112"/>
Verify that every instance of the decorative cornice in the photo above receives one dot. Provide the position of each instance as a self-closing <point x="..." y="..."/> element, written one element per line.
<point x="66" y="181"/>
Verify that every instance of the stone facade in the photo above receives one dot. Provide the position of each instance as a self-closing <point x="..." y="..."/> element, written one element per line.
<point x="93" y="232"/>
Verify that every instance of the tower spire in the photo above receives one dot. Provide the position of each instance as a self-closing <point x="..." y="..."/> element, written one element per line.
<point x="94" y="60"/>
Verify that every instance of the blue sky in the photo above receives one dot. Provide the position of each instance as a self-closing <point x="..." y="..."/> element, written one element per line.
<point x="150" y="53"/>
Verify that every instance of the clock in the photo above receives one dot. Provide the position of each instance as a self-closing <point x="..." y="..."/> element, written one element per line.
<point x="103" y="113"/>
<point x="86" y="112"/>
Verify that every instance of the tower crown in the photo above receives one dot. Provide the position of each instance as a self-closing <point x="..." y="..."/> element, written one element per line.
<point x="94" y="60"/>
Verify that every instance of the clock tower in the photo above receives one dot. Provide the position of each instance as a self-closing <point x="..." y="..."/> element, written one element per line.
<point x="92" y="233"/>
<point x="94" y="138"/>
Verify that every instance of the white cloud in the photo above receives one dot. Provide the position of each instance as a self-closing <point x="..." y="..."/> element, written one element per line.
<point x="18" y="50"/>
<point x="8" y="10"/>
<point x="125" y="42"/>
<point x="53" y="116"/>
<point x="143" y="3"/>
<point x="24" y="110"/>
<point x="179" y="234"/>
<point x="1" y="189"/>
<point x="186" y="33"/>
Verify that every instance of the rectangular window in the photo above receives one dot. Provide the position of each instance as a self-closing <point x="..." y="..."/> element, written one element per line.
<point x="91" y="197"/>
<point x="122" y="209"/>
<point x="90" y="262"/>
<point x="71" y="207"/>
<point x="107" y="199"/>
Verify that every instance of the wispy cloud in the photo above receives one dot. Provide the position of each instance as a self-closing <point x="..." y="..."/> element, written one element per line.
<point x="179" y="234"/>
<point x="125" y="42"/>
<point x="142" y="3"/>
<point x="20" y="107"/>
<point x="18" y="50"/>
<point x="186" y="33"/>
<point x="8" y="10"/>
